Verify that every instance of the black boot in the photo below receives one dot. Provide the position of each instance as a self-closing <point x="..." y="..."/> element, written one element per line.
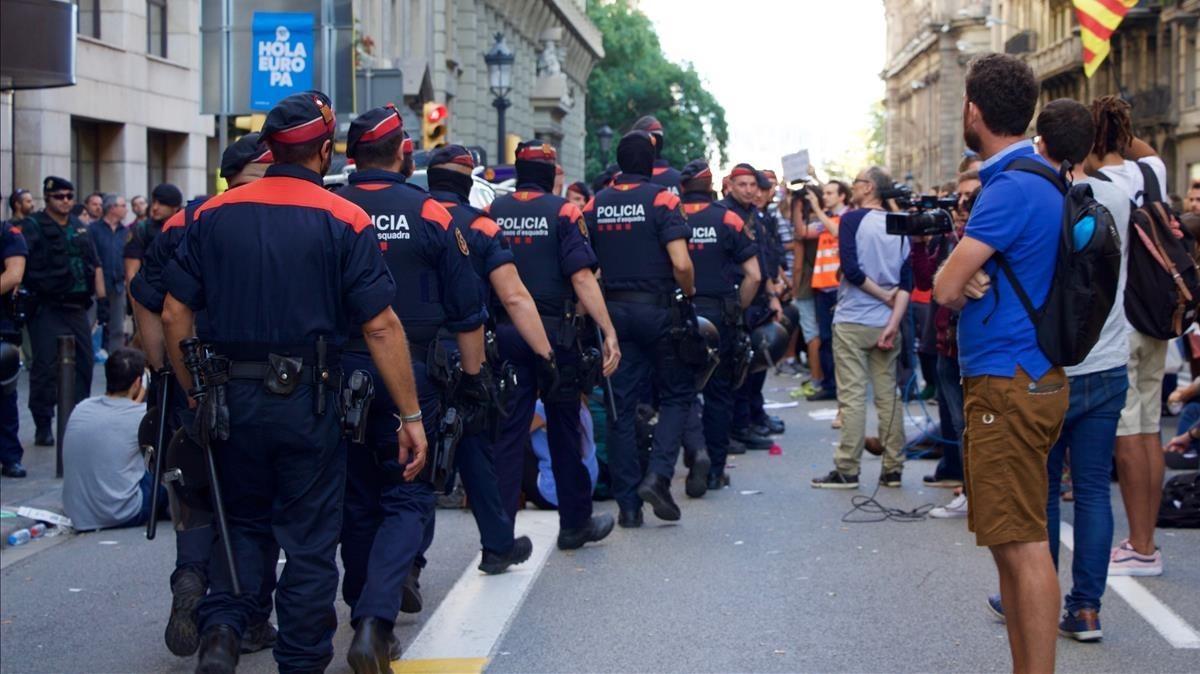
<point x="597" y="529"/>
<point x="410" y="594"/>
<point x="374" y="647"/>
<point x="630" y="519"/>
<point x="718" y="482"/>
<point x="750" y="439"/>
<point x="43" y="437"/>
<point x="260" y="637"/>
<point x="182" y="635"/>
<point x="493" y="563"/>
<point x="697" y="479"/>
<point x="14" y="470"/>
<point x="656" y="490"/>
<point x="218" y="651"/>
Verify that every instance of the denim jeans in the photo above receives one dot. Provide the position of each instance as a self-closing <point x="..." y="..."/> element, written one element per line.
<point x="1088" y="433"/>
<point x="950" y="401"/>
<point x="1188" y="418"/>
<point x="825" y="302"/>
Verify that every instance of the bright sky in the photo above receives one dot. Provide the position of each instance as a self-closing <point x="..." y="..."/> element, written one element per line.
<point x="791" y="74"/>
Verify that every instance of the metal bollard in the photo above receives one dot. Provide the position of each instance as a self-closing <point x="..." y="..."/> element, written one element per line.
<point x="66" y="394"/>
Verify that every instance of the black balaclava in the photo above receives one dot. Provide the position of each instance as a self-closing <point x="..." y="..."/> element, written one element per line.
<point x="446" y="180"/>
<point x="635" y="153"/>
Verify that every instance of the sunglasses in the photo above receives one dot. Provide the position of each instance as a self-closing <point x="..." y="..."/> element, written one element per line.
<point x="62" y="196"/>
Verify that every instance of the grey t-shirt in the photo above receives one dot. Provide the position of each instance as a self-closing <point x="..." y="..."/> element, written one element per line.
<point x="102" y="463"/>
<point x="1112" y="350"/>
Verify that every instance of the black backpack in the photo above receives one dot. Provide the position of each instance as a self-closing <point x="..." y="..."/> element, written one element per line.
<point x="1084" y="286"/>
<point x="1180" y="508"/>
<point x="1162" y="294"/>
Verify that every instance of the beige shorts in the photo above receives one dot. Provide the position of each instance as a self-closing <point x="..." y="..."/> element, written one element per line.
<point x="1143" y="402"/>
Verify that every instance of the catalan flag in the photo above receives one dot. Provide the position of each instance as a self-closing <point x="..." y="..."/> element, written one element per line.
<point x="1098" y="20"/>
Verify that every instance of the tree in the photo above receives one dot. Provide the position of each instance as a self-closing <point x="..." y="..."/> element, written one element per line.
<point x="634" y="78"/>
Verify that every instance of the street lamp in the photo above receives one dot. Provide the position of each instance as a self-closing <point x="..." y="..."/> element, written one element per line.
<point x="604" y="136"/>
<point x="499" y="60"/>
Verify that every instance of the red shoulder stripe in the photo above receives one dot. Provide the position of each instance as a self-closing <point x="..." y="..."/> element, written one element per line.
<point x="665" y="198"/>
<point x="174" y="221"/>
<point x="590" y="205"/>
<point x="659" y="170"/>
<point x="435" y="212"/>
<point x="287" y="191"/>
<point x="694" y="208"/>
<point x="734" y="221"/>
<point x="373" y="187"/>
<point x="570" y="211"/>
<point x="486" y="225"/>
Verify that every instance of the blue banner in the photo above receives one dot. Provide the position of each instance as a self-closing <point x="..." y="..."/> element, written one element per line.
<point x="282" y="58"/>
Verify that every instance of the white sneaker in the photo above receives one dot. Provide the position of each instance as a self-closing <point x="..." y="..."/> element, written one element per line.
<point x="955" y="509"/>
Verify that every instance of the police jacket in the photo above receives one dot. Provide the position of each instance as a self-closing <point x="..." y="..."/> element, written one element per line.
<point x="61" y="268"/>
<point x="278" y="263"/>
<point x="754" y="228"/>
<point x="631" y="222"/>
<point x="428" y="258"/>
<point x="141" y="237"/>
<point x="666" y="176"/>
<point x="720" y="243"/>
<point x="549" y="243"/>
<point x="12" y="244"/>
<point x="148" y="286"/>
<point x="486" y="242"/>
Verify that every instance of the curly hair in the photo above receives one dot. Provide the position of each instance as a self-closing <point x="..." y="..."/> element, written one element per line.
<point x="1114" y="125"/>
<point x="1005" y="90"/>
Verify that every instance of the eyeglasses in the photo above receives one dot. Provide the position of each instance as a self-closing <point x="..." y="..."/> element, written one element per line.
<point x="62" y="196"/>
<point x="861" y="180"/>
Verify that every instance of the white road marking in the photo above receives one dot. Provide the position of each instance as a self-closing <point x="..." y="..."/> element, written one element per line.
<point x="478" y="609"/>
<point x="1167" y="622"/>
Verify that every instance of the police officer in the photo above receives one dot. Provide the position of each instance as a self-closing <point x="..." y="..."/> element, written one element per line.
<point x="387" y="515"/>
<point x="640" y="238"/>
<point x="243" y="162"/>
<point x="165" y="201"/>
<point x="63" y="276"/>
<point x="489" y="482"/>
<point x="282" y="268"/>
<point x="13" y="252"/>
<point x="663" y="174"/>
<point x="556" y="261"/>
<point x="727" y="279"/>
<point x="778" y="286"/>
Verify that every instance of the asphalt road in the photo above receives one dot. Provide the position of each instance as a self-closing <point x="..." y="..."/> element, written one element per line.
<point x="761" y="577"/>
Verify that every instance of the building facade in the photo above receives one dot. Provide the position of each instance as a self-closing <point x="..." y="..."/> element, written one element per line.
<point x="132" y="118"/>
<point x="438" y="47"/>
<point x="1153" y="64"/>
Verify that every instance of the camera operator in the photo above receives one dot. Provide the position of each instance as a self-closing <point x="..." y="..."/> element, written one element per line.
<point x="872" y="301"/>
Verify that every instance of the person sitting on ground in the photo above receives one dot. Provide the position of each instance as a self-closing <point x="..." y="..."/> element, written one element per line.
<point x="105" y="481"/>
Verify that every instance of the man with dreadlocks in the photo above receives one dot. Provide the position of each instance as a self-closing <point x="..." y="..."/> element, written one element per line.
<point x="1131" y="164"/>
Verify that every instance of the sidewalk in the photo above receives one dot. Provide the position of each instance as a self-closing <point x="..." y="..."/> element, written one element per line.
<point x="40" y="489"/>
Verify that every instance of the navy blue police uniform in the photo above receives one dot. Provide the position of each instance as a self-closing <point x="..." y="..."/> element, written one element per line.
<point x="281" y="265"/>
<point x="719" y="245"/>
<point x="631" y="222"/>
<point x="667" y="176"/>
<point x="549" y="244"/>
<point x="483" y="473"/>
<point x="60" y="277"/>
<point x="148" y="287"/>
<point x="12" y="245"/>
<point x="388" y="519"/>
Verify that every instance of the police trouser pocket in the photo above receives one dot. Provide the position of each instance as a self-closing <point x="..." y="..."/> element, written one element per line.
<point x="282" y="375"/>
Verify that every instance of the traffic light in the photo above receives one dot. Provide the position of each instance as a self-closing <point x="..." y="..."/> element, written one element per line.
<point x="434" y="129"/>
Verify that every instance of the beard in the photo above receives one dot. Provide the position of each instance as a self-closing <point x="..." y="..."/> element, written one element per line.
<point x="972" y="139"/>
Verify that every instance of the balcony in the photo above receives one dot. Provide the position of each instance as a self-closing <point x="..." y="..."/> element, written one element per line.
<point x="1061" y="57"/>
<point x="1151" y="106"/>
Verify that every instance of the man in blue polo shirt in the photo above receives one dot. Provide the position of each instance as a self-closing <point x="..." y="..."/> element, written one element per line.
<point x="1014" y="399"/>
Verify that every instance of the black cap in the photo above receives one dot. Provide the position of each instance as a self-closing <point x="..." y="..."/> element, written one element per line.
<point x="54" y="184"/>
<point x="635" y="152"/>
<point x="373" y="125"/>
<point x="452" y="154"/>
<point x="697" y="168"/>
<point x="167" y="195"/>
<point x="764" y="183"/>
<point x="300" y="118"/>
<point x="245" y="150"/>
<point x="650" y="124"/>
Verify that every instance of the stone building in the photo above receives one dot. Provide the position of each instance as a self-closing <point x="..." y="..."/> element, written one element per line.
<point x="1153" y="63"/>
<point x="438" y="47"/>
<point x="132" y="118"/>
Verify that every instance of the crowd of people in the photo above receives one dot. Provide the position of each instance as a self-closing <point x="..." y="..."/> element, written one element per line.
<point x="568" y="344"/>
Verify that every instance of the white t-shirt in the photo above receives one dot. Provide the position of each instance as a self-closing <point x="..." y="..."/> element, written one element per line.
<point x="1128" y="177"/>
<point x="1112" y="349"/>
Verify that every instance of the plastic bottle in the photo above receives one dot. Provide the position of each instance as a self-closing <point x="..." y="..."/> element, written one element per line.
<point x="37" y="530"/>
<point x="19" y="537"/>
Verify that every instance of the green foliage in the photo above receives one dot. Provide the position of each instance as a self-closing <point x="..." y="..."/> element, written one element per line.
<point x="635" y="79"/>
<point x="877" y="138"/>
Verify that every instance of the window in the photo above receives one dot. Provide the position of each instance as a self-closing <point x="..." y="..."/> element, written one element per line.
<point x="85" y="156"/>
<point x="157" y="151"/>
<point x="156" y="27"/>
<point x="87" y="18"/>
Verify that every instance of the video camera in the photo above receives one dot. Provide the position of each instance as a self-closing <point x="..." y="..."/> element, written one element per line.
<point x="922" y="214"/>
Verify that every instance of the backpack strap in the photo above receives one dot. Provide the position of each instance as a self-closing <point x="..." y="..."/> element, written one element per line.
<point x="1021" y="294"/>
<point x="1151" y="190"/>
<point x="1037" y="168"/>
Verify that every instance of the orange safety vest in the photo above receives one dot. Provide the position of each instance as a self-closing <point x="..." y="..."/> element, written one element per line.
<point x="828" y="263"/>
